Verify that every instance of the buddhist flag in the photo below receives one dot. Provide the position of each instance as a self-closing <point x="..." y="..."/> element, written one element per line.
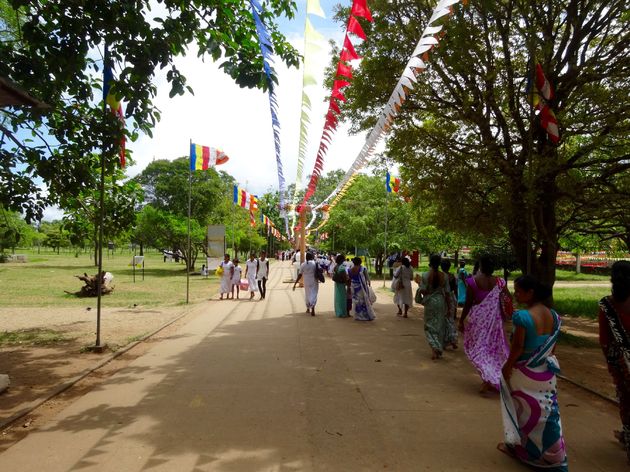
<point x="204" y="157"/>
<point x="542" y="93"/>
<point x="241" y="197"/>
<point x="392" y="184"/>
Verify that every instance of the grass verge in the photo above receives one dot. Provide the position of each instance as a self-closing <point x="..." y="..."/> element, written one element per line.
<point x="33" y="337"/>
<point x="579" y="301"/>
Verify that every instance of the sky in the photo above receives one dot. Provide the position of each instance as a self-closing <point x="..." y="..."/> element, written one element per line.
<point x="238" y="121"/>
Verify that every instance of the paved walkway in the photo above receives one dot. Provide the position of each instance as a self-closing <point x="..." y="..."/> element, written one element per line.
<point x="261" y="386"/>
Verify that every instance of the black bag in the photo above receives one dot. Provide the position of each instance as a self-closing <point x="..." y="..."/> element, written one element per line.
<point x="319" y="273"/>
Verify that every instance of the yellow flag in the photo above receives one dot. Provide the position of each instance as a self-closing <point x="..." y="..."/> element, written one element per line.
<point x="314" y="8"/>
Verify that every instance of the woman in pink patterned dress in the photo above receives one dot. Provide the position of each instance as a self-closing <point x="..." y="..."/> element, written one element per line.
<point x="484" y="339"/>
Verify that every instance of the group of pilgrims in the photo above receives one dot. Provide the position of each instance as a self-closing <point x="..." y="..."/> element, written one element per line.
<point x="254" y="280"/>
<point x="522" y="369"/>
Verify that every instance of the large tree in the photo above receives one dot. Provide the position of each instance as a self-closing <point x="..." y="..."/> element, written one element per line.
<point x="466" y="137"/>
<point x="56" y="52"/>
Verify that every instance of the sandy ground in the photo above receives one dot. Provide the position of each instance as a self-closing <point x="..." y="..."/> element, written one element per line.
<point x="262" y="386"/>
<point x="36" y="370"/>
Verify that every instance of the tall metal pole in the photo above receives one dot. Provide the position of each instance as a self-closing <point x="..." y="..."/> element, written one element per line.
<point x="101" y="217"/>
<point x="189" y="211"/>
<point x="385" y="244"/>
<point x="530" y="142"/>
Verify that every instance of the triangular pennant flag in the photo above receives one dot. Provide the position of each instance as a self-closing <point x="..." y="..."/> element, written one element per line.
<point x="338" y="95"/>
<point x="360" y="8"/>
<point x="313" y="7"/>
<point x="348" y="46"/>
<point x="355" y="28"/>
<point x="334" y="106"/>
<point x="344" y="70"/>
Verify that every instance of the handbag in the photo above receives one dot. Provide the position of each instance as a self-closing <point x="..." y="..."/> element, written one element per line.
<point x="371" y="294"/>
<point x="319" y="273"/>
<point x="219" y="271"/>
<point x="506" y="304"/>
<point x="418" y="297"/>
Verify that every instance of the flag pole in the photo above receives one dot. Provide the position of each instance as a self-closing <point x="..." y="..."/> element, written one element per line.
<point x="101" y="217"/>
<point x="189" y="211"/>
<point x="385" y="244"/>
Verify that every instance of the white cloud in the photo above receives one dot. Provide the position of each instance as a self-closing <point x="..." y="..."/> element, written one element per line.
<point x="238" y="121"/>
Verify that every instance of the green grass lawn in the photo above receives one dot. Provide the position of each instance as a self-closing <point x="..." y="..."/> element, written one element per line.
<point x="566" y="276"/>
<point x="43" y="279"/>
<point x="579" y="301"/>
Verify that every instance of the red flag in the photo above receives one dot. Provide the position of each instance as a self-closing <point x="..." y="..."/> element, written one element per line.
<point x="338" y="95"/>
<point x="355" y="27"/>
<point x="344" y="70"/>
<point x="549" y="122"/>
<point x="334" y="106"/>
<point x="360" y="8"/>
<point x="349" y="48"/>
<point x="339" y="84"/>
<point x="123" y="138"/>
<point x="542" y="84"/>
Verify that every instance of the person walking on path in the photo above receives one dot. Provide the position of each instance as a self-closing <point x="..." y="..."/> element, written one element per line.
<point x="529" y="396"/>
<point x="462" y="275"/>
<point x="435" y="290"/>
<point x="450" y="337"/>
<point x="262" y="274"/>
<point x="614" y="338"/>
<point x="360" y="281"/>
<point x="484" y="339"/>
<point x="308" y="275"/>
<point x="403" y="297"/>
<point x="251" y="266"/>
<point x="226" y="279"/>
<point x="237" y="271"/>
<point x="341" y="279"/>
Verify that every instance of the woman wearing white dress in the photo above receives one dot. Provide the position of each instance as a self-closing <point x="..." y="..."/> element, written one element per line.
<point x="250" y="274"/>
<point x="226" y="278"/>
<point x="308" y="273"/>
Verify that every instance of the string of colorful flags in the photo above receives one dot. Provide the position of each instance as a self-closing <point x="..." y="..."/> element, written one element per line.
<point x="267" y="51"/>
<point x="416" y="65"/>
<point x="313" y="44"/>
<point x="342" y="77"/>
<point x="250" y="202"/>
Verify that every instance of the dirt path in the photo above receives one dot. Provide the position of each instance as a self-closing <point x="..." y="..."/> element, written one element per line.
<point x="262" y="386"/>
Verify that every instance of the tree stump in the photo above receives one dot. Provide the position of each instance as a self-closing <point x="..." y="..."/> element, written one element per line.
<point x="90" y="289"/>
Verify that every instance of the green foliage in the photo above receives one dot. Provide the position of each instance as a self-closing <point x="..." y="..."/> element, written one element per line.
<point x="468" y="150"/>
<point x="358" y="220"/>
<point x="14" y="231"/>
<point x="59" y="60"/>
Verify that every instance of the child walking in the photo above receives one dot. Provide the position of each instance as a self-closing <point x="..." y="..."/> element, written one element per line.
<point x="236" y="278"/>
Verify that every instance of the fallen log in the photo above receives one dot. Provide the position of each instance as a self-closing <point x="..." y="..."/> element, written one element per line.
<point x="91" y="285"/>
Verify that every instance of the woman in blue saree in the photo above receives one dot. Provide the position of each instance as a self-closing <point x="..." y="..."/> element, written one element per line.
<point x="529" y="397"/>
<point x="360" y="281"/>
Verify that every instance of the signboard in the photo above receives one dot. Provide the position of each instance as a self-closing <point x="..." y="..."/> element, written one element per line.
<point x="216" y="246"/>
<point x="138" y="261"/>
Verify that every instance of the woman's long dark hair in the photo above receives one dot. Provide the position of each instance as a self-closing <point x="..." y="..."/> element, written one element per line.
<point x="542" y="292"/>
<point x="620" y="278"/>
<point x="434" y="263"/>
